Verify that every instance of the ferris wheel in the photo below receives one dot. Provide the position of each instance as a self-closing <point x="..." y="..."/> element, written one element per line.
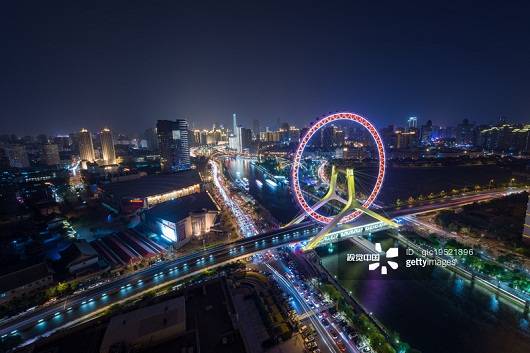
<point x="345" y="142"/>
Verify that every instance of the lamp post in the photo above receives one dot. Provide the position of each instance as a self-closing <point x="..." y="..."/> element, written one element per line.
<point x="511" y="182"/>
<point x="491" y="181"/>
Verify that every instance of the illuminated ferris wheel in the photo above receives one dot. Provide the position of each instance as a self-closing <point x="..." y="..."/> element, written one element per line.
<point x="323" y="176"/>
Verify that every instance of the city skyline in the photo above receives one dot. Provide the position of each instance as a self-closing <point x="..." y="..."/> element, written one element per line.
<point x="132" y="64"/>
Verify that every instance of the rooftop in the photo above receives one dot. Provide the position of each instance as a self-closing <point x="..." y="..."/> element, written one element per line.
<point x="146" y="321"/>
<point x="178" y="209"/>
<point x="154" y="184"/>
<point x="22" y="277"/>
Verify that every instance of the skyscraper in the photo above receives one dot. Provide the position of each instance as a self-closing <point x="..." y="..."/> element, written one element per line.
<point x="86" y="147"/>
<point x="243" y="136"/>
<point x="413" y="122"/>
<point x="173" y="144"/>
<point x="18" y="156"/>
<point x="108" y="154"/>
<point x="51" y="154"/>
<point x="151" y="138"/>
<point x="235" y="125"/>
<point x="256" y="129"/>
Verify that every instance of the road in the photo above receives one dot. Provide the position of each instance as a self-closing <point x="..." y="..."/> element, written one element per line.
<point x="41" y="322"/>
<point x="79" y="306"/>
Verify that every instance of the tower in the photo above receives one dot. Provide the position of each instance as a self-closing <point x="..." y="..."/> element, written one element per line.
<point x="413" y="122"/>
<point x="108" y="153"/>
<point x="173" y="144"/>
<point x="235" y="125"/>
<point x="86" y="147"/>
<point x="244" y="136"/>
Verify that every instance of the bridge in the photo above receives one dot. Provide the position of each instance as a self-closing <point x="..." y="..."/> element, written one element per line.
<point x="43" y="321"/>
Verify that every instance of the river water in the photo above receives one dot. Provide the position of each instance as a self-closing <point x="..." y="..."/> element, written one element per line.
<point x="433" y="309"/>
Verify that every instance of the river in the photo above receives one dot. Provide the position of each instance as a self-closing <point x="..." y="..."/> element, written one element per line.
<point x="433" y="309"/>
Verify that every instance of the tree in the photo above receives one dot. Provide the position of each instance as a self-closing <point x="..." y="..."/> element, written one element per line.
<point x="62" y="288"/>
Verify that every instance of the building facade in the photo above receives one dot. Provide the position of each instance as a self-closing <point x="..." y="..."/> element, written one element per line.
<point x="51" y="154"/>
<point x="108" y="154"/>
<point x="25" y="281"/>
<point x="86" y="147"/>
<point x="174" y="144"/>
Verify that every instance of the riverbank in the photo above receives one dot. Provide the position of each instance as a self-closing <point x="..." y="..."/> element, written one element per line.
<point x="385" y="339"/>
<point x="467" y="274"/>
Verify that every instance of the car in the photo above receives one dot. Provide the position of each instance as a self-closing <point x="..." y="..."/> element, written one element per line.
<point x="352" y="336"/>
<point x="311" y="345"/>
<point x="366" y="350"/>
<point x="333" y="333"/>
<point x="319" y="315"/>
<point x="309" y="338"/>
<point x="317" y="350"/>
<point x="325" y="322"/>
<point x="341" y="345"/>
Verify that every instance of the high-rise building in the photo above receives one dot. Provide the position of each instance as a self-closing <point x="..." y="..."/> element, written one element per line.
<point x="256" y="129"/>
<point x="235" y="125"/>
<point x="42" y="139"/>
<point x="151" y="138"/>
<point x="173" y="144"/>
<point x="18" y="156"/>
<point x="108" y="154"/>
<point x="51" y="154"/>
<point x="243" y="136"/>
<point x="4" y="160"/>
<point x="465" y="133"/>
<point x="86" y="147"/>
<point x="413" y="122"/>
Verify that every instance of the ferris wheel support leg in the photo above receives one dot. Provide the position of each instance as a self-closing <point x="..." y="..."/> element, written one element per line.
<point x="350" y="206"/>
<point x="347" y="208"/>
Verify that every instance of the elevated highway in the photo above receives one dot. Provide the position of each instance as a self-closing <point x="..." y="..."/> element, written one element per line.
<point x="77" y="307"/>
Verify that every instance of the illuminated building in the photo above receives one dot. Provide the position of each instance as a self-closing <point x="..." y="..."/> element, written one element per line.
<point x="86" y="147"/>
<point x="145" y="192"/>
<point x="243" y="138"/>
<point x="18" y="156"/>
<point x="173" y="144"/>
<point x="180" y="219"/>
<point x="51" y="154"/>
<point x="108" y="154"/>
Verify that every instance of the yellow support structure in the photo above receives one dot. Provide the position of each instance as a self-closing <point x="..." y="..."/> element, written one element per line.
<point x="351" y="205"/>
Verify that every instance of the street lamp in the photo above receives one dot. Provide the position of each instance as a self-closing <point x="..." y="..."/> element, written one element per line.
<point x="491" y="181"/>
<point x="511" y="182"/>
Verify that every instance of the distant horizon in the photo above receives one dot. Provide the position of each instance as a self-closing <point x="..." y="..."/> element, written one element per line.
<point x="249" y="126"/>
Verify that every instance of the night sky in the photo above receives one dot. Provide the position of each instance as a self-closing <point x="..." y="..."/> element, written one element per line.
<point x="65" y="65"/>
